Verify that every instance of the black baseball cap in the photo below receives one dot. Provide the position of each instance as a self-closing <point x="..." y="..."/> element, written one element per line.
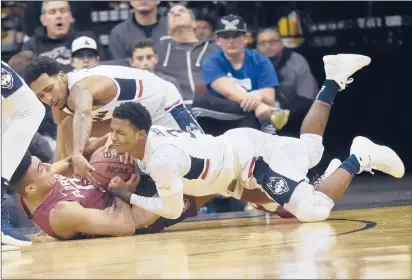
<point x="230" y="23"/>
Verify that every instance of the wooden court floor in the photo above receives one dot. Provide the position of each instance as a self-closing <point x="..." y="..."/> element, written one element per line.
<point x="357" y="244"/>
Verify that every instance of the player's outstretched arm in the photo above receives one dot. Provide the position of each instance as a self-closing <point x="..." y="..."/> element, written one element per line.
<point x="69" y="218"/>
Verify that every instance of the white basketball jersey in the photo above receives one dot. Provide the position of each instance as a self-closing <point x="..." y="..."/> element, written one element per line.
<point x="155" y="94"/>
<point x="207" y="161"/>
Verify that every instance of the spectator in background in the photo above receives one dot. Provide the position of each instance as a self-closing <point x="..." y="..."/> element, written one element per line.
<point x="55" y="37"/>
<point x="182" y="55"/>
<point x="297" y="87"/>
<point x="145" y="23"/>
<point x="204" y="27"/>
<point x="42" y="141"/>
<point x="143" y="56"/>
<point x="237" y="76"/>
<point x="84" y="53"/>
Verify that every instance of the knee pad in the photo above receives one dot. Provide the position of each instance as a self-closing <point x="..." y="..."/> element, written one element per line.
<point x="309" y="205"/>
<point x="314" y="148"/>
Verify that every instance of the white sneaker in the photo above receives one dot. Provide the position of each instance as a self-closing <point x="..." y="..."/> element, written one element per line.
<point x="7" y="248"/>
<point x="340" y="67"/>
<point x="333" y="165"/>
<point x="372" y="156"/>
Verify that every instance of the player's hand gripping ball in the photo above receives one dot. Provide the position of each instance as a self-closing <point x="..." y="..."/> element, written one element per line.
<point x="108" y="165"/>
<point x="130" y="185"/>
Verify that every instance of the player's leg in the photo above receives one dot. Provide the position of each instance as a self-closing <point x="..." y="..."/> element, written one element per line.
<point x="309" y="204"/>
<point x="22" y="114"/>
<point x="338" y="69"/>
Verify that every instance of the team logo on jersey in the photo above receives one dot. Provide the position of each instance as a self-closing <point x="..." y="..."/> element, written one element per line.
<point x="277" y="185"/>
<point x="6" y="79"/>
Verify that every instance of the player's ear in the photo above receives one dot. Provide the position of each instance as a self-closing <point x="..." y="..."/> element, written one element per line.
<point x="61" y="76"/>
<point x="141" y="134"/>
<point x="30" y="189"/>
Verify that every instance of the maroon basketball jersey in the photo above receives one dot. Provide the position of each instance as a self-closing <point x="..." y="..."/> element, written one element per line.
<point x="68" y="189"/>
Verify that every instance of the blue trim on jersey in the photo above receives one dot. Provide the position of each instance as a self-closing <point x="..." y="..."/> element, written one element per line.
<point x="127" y="89"/>
<point x="10" y="81"/>
<point x="196" y="168"/>
<point x="184" y="119"/>
<point x="277" y="186"/>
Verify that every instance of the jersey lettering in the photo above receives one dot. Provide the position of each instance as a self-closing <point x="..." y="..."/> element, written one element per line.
<point x="73" y="185"/>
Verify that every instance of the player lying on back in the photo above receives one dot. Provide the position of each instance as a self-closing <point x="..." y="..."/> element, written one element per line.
<point x="66" y="208"/>
<point x="184" y="163"/>
<point x="83" y="101"/>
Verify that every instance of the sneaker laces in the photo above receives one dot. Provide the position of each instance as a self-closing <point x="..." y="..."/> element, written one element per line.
<point x="317" y="179"/>
<point x="368" y="167"/>
<point x="348" y="81"/>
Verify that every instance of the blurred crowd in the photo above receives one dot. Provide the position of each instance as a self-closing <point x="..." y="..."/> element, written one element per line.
<point x="193" y="50"/>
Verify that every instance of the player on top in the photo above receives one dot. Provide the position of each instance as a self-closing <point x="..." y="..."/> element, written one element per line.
<point x="184" y="163"/>
<point x="21" y="114"/>
<point x="90" y="95"/>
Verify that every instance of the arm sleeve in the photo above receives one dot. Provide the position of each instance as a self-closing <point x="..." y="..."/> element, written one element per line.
<point x="211" y="70"/>
<point x="268" y="77"/>
<point x="167" y="170"/>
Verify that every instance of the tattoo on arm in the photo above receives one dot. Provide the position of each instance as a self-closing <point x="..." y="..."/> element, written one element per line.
<point x="83" y="118"/>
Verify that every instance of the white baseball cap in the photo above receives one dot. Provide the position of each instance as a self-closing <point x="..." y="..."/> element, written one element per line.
<point x="84" y="42"/>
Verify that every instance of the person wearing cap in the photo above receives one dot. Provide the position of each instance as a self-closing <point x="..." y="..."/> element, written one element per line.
<point x="84" y="53"/>
<point x="245" y="79"/>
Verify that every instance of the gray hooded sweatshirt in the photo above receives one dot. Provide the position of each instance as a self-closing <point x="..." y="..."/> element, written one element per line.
<point x="183" y="61"/>
<point x="128" y="32"/>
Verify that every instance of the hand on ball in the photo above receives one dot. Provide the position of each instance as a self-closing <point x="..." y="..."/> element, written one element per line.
<point x="130" y="185"/>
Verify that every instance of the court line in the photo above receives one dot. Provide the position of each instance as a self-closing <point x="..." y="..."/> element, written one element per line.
<point x="368" y="225"/>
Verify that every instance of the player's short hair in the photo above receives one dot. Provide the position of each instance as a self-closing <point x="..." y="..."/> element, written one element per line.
<point x="135" y="113"/>
<point x="19" y="174"/>
<point x="41" y="65"/>
<point x="141" y="45"/>
<point x="20" y="61"/>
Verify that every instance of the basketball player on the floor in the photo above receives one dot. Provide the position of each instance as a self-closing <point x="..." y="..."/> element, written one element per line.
<point x="184" y="163"/>
<point x="22" y="114"/>
<point x="67" y="208"/>
<point x="90" y="95"/>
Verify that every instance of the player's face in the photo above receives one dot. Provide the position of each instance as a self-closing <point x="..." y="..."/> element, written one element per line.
<point x="41" y="179"/>
<point x="51" y="90"/>
<point x="269" y="43"/>
<point x="179" y="16"/>
<point x="145" y="59"/>
<point x="124" y="135"/>
<point x="232" y="43"/>
<point x="56" y="18"/>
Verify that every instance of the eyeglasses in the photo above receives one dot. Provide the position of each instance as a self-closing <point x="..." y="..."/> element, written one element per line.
<point x="270" y="42"/>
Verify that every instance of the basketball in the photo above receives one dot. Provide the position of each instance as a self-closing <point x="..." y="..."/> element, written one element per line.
<point x="108" y="166"/>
